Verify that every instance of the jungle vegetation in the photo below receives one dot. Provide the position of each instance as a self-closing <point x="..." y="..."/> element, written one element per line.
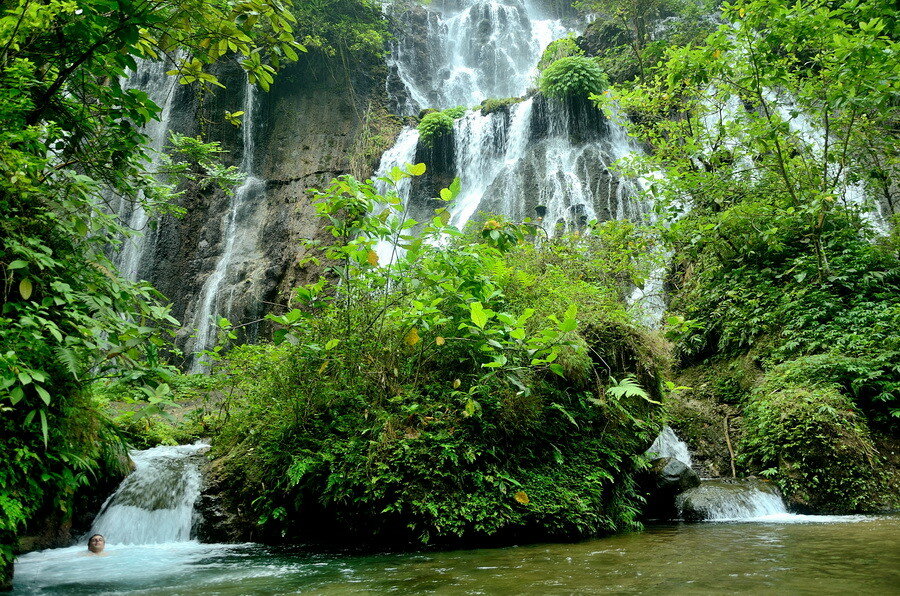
<point x="501" y="387"/>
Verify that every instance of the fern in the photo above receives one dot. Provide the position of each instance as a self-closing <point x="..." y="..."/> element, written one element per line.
<point x="69" y="360"/>
<point x="628" y="387"/>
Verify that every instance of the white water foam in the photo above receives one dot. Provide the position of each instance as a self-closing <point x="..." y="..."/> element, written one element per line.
<point x="155" y="503"/>
<point x="667" y="444"/>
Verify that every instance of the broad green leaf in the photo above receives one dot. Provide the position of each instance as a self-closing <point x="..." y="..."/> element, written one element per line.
<point x="25" y="288"/>
<point x="476" y="312"/>
<point x="45" y="397"/>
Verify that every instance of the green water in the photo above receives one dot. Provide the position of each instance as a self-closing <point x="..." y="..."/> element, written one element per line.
<point x="825" y="556"/>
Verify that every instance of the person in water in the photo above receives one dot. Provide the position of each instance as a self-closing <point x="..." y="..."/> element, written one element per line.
<point x="96" y="544"/>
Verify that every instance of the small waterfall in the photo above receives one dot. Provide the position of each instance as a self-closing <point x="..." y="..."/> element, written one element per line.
<point x="730" y="500"/>
<point x="210" y="304"/>
<point x="155" y="503"/>
<point x="150" y="77"/>
<point x="667" y="444"/>
<point x="403" y="152"/>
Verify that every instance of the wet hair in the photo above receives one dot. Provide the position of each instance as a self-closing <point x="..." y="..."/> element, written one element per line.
<point x="94" y="536"/>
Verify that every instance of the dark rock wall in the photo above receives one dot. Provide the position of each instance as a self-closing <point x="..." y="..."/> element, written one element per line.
<point x="307" y="130"/>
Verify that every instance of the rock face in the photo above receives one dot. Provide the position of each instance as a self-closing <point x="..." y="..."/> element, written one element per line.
<point x="308" y="129"/>
<point x="666" y="478"/>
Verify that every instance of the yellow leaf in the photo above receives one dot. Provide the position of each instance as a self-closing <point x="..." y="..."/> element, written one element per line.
<point x="412" y="337"/>
<point x="456" y="383"/>
<point x="741" y="12"/>
<point x="717" y="53"/>
<point x="522" y="497"/>
<point x="440" y="340"/>
<point x="323" y="367"/>
<point x="372" y="257"/>
<point x="25" y="289"/>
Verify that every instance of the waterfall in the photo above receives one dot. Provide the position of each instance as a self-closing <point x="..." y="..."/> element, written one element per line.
<point x="533" y="155"/>
<point x="150" y="77"/>
<point x="155" y="503"/>
<point x="729" y="500"/>
<point x="210" y="304"/>
<point x="667" y="444"/>
<point x="466" y="51"/>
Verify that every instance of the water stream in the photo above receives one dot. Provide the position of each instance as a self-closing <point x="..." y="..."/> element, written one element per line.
<point x="827" y="555"/>
<point x="237" y="243"/>
<point x="155" y="503"/>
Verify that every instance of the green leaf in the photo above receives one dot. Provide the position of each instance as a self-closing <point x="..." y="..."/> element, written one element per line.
<point x="477" y="314"/>
<point x="17" y="264"/>
<point x="25" y="289"/>
<point x="331" y="343"/>
<point x="557" y="369"/>
<point x="45" y="396"/>
<point x="417" y="169"/>
<point x="44" y="427"/>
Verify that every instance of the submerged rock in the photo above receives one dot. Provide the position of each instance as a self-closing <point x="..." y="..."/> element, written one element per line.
<point x="729" y="499"/>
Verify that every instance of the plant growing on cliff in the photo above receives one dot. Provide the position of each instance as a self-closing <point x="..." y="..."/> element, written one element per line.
<point x="560" y="48"/>
<point x="423" y="391"/>
<point x="574" y="76"/>
<point x="437" y="124"/>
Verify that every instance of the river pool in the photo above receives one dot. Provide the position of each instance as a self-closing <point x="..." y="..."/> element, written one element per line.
<point x="780" y="554"/>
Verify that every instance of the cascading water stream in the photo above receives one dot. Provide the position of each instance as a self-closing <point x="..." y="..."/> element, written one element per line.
<point x="466" y="51"/>
<point x="150" y="77"/>
<point x="155" y="503"/>
<point x="209" y="304"/>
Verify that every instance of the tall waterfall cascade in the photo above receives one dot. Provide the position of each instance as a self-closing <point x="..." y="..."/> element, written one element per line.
<point x="150" y="77"/>
<point x="461" y="52"/>
<point x="155" y="503"/>
<point x="536" y="152"/>
<point x="217" y="294"/>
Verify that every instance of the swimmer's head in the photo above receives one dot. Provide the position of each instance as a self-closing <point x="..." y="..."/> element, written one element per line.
<point x="96" y="543"/>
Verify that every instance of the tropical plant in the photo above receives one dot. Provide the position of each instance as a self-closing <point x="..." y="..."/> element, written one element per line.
<point x="574" y="76"/>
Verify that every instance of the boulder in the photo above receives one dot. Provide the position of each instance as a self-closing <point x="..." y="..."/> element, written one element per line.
<point x="666" y="478"/>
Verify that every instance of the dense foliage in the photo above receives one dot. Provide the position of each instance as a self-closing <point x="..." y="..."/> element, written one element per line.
<point x="71" y="147"/>
<point x="474" y="399"/>
<point x="571" y="77"/>
<point x="772" y="133"/>
<point x="810" y="436"/>
<point x="437" y="124"/>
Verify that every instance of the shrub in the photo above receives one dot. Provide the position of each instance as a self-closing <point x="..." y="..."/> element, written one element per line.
<point x="434" y="125"/>
<point x="815" y="444"/>
<point x="463" y="403"/>
<point x="561" y="48"/>
<point x="574" y="76"/>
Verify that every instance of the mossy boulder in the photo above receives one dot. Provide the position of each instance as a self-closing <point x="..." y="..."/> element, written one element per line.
<point x="814" y="442"/>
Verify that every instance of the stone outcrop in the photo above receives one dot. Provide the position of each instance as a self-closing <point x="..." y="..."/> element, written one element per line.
<point x="315" y="123"/>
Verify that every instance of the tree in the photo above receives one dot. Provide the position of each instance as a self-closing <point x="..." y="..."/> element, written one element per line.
<point x="783" y="105"/>
<point x="70" y="134"/>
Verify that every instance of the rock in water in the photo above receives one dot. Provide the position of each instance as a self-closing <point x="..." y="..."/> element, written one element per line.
<point x="666" y="478"/>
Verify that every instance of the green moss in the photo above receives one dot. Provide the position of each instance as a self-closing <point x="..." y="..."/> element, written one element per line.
<point x="489" y="106"/>
<point x="814" y="443"/>
<point x="575" y="76"/>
